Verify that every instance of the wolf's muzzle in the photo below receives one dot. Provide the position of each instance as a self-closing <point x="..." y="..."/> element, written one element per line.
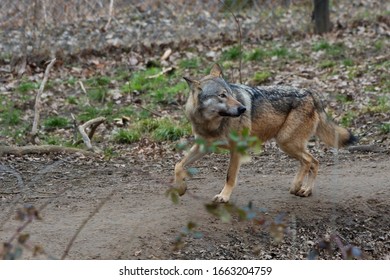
<point x="241" y="110"/>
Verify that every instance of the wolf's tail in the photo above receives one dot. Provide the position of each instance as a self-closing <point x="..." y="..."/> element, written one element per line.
<point x="329" y="132"/>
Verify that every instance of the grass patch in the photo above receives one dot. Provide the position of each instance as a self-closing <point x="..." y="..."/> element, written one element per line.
<point x="157" y="89"/>
<point x="91" y="112"/>
<point x="162" y="129"/>
<point x="256" y="54"/>
<point x="348" y="62"/>
<point x="127" y="136"/>
<point x="141" y="82"/>
<point x="169" y="131"/>
<point x="385" y="128"/>
<point x="25" y="87"/>
<point x="334" y="50"/>
<point x="327" y="64"/>
<point x="232" y="53"/>
<point x="279" y="52"/>
<point x="10" y="116"/>
<point x="97" y="88"/>
<point x="382" y="105"/>
<point x="378" y="45"/>
<point x="97" y="94"/>
<point x="192" y="63"/>
<point x="347" y="119"/>
<point x="72" y="100"/>
<point x="53" y="140"/>
<point x="56" y="122"/>
<point x="343" y="98"/>
<point x="261" y="77"/>
<point x="167" y="94"/>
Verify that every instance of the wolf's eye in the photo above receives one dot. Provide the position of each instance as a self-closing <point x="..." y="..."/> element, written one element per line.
<point x="222" y="95"/>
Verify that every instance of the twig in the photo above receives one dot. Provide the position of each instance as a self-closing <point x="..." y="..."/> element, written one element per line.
<point x="239" y="34"/>
<point x="105" y="28"/>
<point x="94" y="123"/>
<point x="82" y="87"/>
<point x="80" y="228"/>
<point x="165" y="70"/>
<point x="74" y="128"/>
<point x="151" y="111"/>
<point x="37" y="107"/>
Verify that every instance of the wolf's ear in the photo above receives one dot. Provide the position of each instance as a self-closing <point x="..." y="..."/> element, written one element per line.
<point x="216" y="71"/>
<point x="192" y="83"/>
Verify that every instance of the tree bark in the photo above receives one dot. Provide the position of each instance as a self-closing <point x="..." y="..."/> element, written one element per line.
<point x="321" y="16"/>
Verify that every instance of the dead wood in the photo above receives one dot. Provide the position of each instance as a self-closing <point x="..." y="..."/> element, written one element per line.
<point x="366" y="149"/>
<point x="94" y="123"/>
<point x="43" y="149"/>
<point x="37" y="107"/>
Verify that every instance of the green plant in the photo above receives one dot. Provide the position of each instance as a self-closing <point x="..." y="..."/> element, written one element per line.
<point x="279" y="52"/>
<point x="327" y="64"/>
<point x="385" y="128"/>
<point x="170" y="131"/>
<point x="334" y="50"/>
<point x="10" y="116"/>
<point x="232" y="53"/>
<point x="91" y="112"/>
<point x="379" y="44"/>
<point x="25" y="87"/>
<point x="72" y="100"/>
<point x="127" y="136"/>
<point x="343" y="98"/>
<point x="167" y="93"/>
<point x="141" y="81"/>
<point x="53" y="140"/>
<point x="348" y="62"/>
<point x="191" y="63"/>
<point x="56" y="122"/>
<point x="98" y="81"/>
<point x="261" y="77"/>
<point x="347" y="118"/>
<point x="256" y="54"/>
<point x="97" y="94"/>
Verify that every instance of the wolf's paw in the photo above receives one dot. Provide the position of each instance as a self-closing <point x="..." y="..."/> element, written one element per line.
<point x="295" y="190"/>
<point x="220" y="199"/>
<point x="181" y="188"/>
<point x="304" y="192"/>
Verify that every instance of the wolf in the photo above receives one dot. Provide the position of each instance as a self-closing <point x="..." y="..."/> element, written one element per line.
<point x="287" y="114"/>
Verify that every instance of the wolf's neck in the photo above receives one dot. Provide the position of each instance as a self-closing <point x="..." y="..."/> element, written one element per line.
<point x="215" y="128"/>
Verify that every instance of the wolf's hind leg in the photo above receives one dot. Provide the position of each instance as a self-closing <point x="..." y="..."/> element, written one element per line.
<point x="193" y="155"/>
<point x="308" y="167"/>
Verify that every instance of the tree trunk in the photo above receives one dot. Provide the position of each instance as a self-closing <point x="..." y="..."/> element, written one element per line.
<point x="321" y="16"/>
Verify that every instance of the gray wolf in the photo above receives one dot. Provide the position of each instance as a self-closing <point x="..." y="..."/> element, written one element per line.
<point x="289" y="115"/>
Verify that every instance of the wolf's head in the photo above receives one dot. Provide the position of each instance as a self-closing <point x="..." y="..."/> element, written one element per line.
<point x="213" y="97"/>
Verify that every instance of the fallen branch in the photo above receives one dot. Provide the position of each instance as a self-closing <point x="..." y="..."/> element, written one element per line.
<point x="43" y="149"/>
<point x="366" y="149"/>
<point x="94" y="123"/>
<point x="37" y="107"/>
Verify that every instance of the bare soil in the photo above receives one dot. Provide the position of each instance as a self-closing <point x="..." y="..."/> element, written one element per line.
<point x="351" y="199"/>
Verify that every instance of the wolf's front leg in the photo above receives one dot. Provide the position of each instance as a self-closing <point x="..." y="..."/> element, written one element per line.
<point x="180" y="172"/>
<point x="231" y="178"/>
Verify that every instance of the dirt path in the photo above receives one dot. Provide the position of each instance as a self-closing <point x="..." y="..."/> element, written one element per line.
<point x="352" y="198"/>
